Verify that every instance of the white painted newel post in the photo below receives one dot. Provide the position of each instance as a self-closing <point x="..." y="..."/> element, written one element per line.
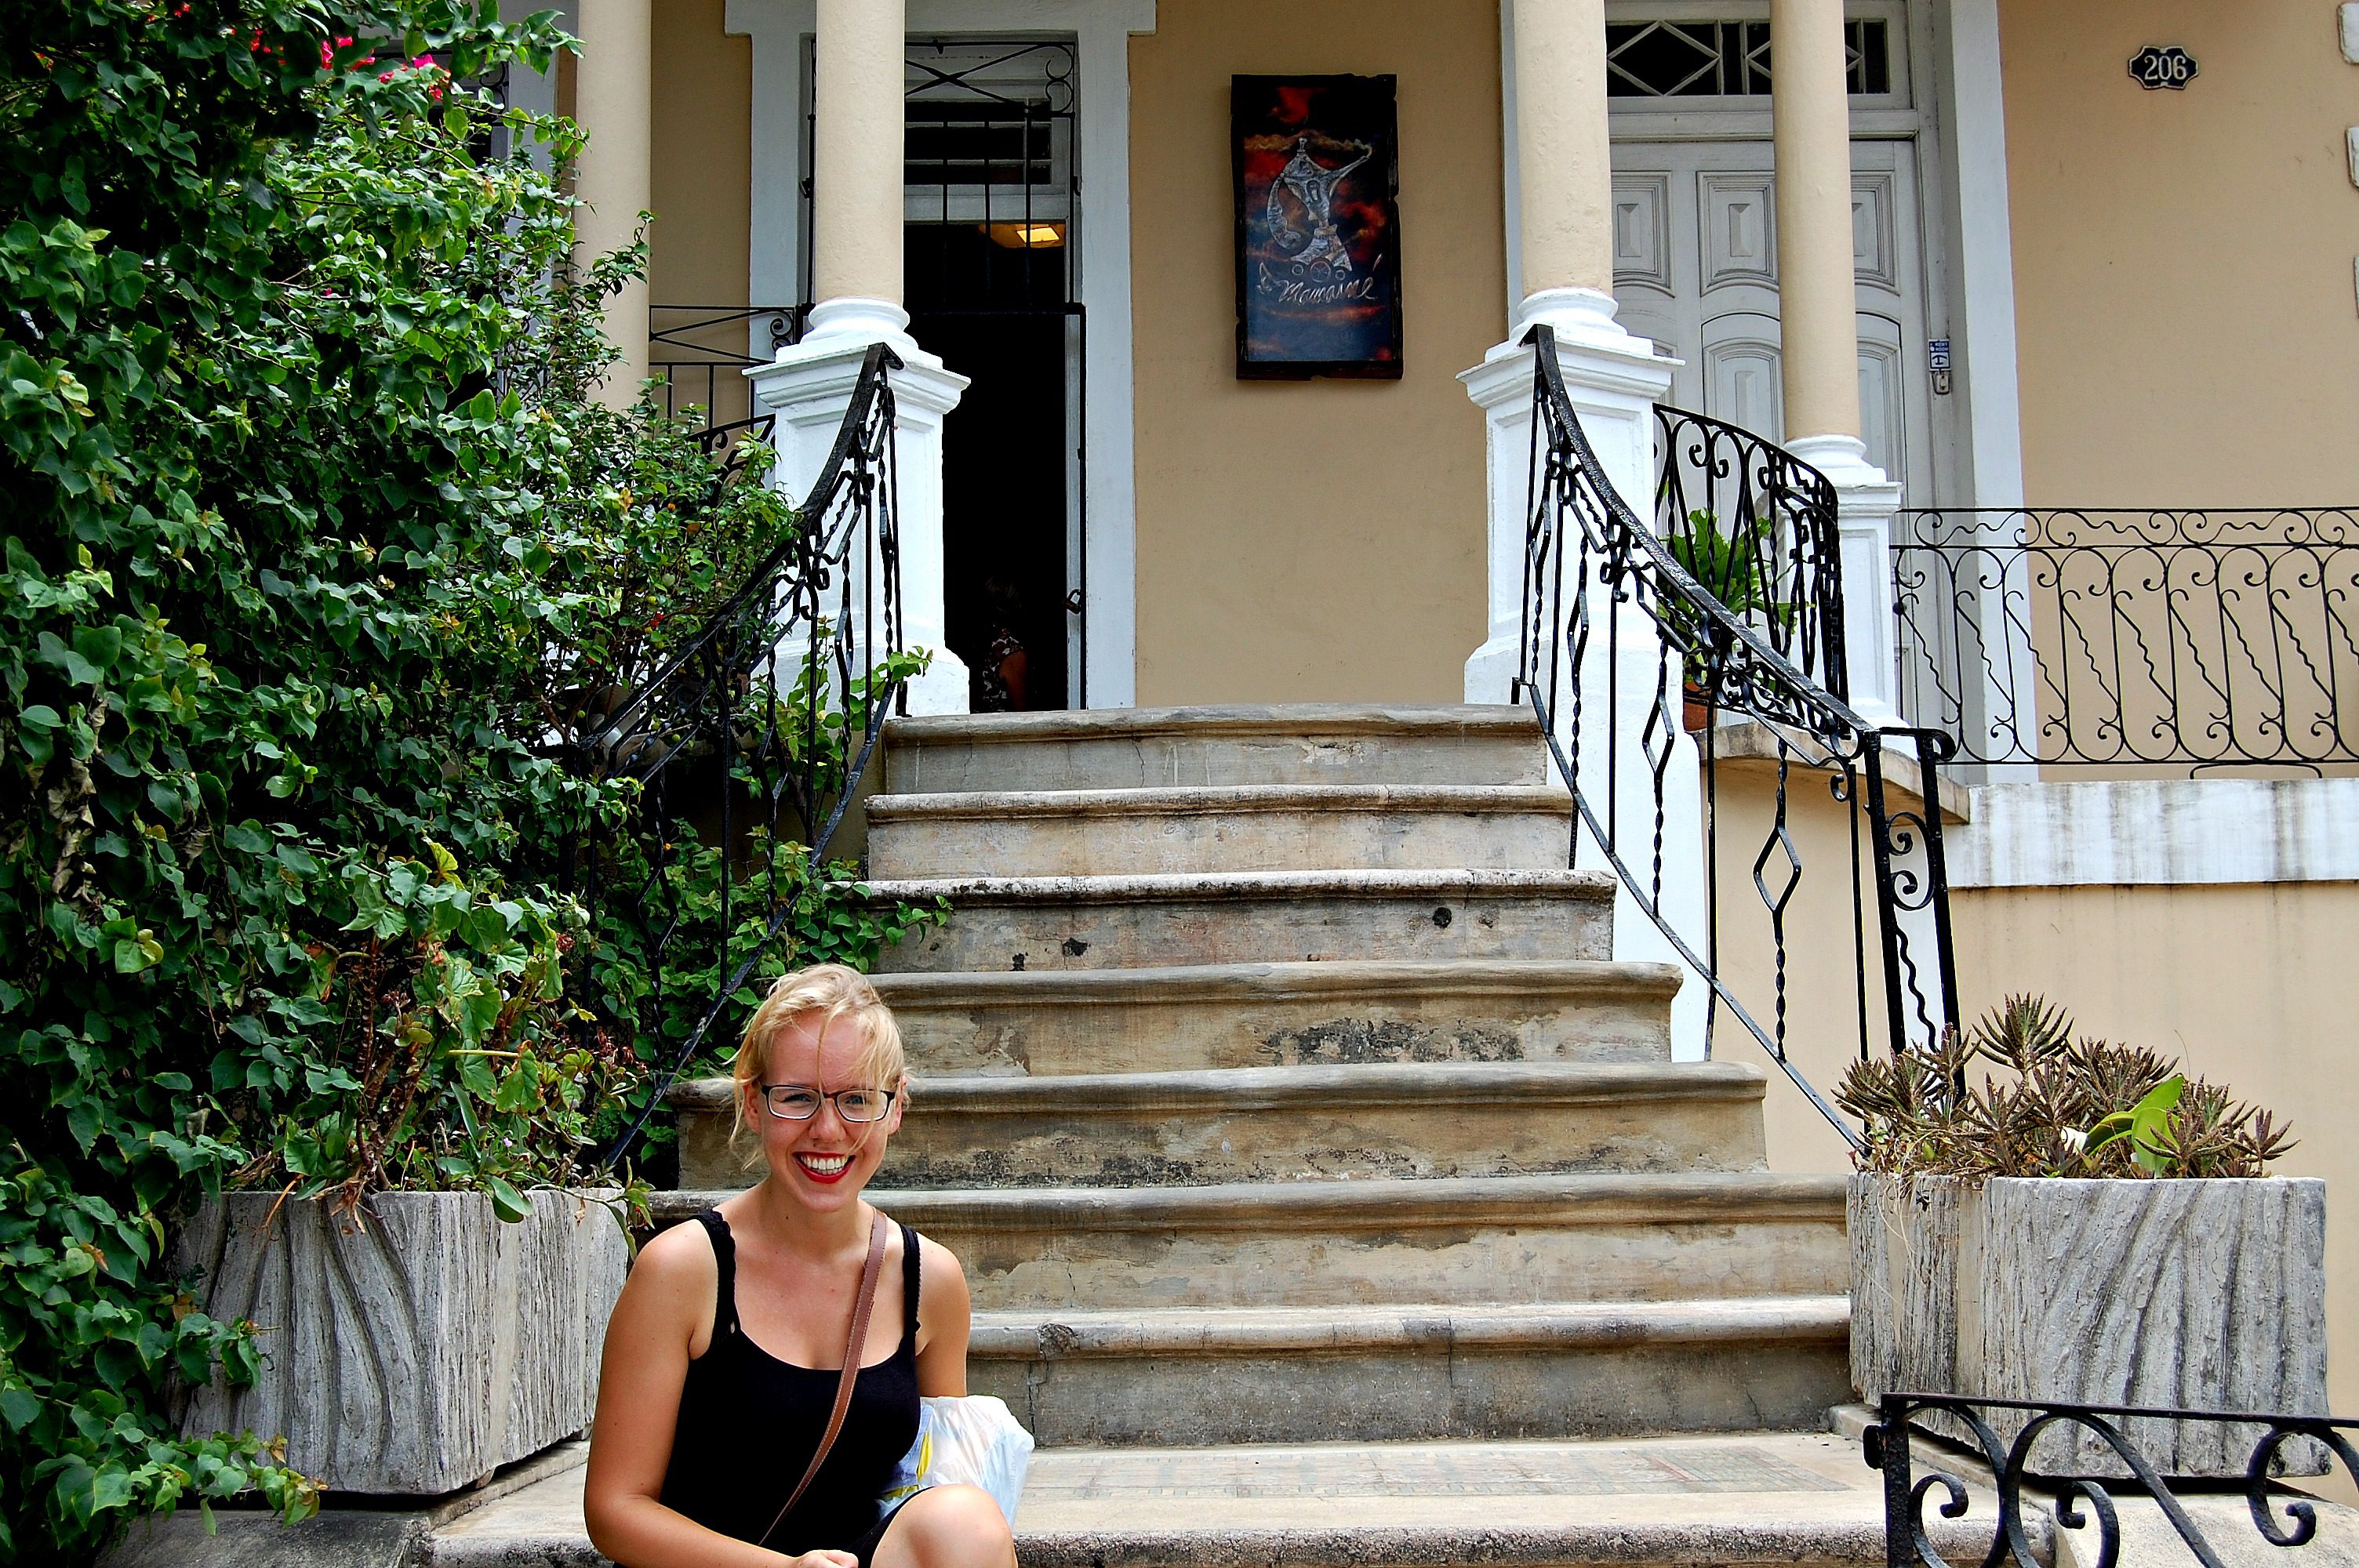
<point x="857" y="214"/>
<point x="1564" y="182"/>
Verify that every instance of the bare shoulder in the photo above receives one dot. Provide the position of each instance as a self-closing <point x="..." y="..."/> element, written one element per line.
<point x="941" y="1281"/>
<point x="672" y="1282"/>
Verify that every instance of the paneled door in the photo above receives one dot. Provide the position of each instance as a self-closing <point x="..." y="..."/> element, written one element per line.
<point x="1695" y="268"/>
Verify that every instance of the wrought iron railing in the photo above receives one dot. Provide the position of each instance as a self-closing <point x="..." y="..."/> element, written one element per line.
<point x="2100" y="1443"/>
<point x="1755" y="526"/>
<point x="2189" y="639"/>
<point x="1619" y="640"/>
<point x="748" y="744"/>
<point x="701" y="351"/>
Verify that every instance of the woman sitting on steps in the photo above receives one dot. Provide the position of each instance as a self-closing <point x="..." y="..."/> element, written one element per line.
<point x="724" y="1352"/>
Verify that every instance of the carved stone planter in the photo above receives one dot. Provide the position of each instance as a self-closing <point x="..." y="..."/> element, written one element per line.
<point x="2187" y="1294"/>
<point x="416" y="1348"/>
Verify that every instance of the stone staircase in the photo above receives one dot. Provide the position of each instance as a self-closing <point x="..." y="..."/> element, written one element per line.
<point x="1275" y="1085"/>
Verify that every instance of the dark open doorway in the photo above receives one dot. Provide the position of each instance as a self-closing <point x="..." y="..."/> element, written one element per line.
<point x="997" y="312"/>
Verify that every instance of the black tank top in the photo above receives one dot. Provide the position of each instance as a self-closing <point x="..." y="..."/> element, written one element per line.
<point x="749" y="1423"/>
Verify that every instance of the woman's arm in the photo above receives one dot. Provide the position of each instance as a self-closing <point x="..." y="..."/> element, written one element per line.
<point x="945" y="1318"/>
<point x="665" y="1306"/>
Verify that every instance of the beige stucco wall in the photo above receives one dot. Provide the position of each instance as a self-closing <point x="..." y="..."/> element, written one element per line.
<point x="1319" y="540"/>
<point x="702" y="85"/>
<point x="2250" y="985"/>
<point x="2187" y="331"/>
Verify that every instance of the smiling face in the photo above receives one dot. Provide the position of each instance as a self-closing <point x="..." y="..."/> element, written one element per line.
<point x="825" y="1161"/>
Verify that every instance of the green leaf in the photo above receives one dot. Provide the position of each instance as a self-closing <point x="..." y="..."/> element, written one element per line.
<point x="507" y="1201"/>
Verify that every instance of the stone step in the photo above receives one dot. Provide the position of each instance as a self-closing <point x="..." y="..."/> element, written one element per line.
<point x="1525" y="1240"/>
<point x="1136" y="748"/>
<point x="1185" y="1019"/>
<point x="1305" y="1374"/>
<point x="1233" y="918"/>
<point x="1277" y="828"/>
<point x="1680" y="1501"/>
<point x="1239" y="1124"/>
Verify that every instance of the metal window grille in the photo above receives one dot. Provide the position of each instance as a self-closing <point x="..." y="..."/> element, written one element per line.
<point x="1726" y="59"/>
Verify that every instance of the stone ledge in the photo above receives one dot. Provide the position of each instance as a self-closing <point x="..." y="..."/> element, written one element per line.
<point x="1198" y="800"/>
<point x="1753" y="741"/>
<point x="1182" y="984"/>
<point x="1274" y="886"/>
<point x="1051" y="1334"/>
<point x="1583" y="1199"/>
<point x="1321" y="1086"/>
<point x="1285" y="719"/>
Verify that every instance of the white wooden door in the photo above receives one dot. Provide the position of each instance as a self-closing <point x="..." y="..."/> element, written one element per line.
<point x="1695" y="268"/>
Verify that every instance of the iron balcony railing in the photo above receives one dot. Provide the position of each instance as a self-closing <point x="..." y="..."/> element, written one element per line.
<point x="2163" y="641"/>
<point x="749" y="745"/>
<point x="1623" y="649"/>
<point x="700" y="353"/>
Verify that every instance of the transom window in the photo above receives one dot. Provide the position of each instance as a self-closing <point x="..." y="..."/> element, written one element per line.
<point x="1726" y="59"/>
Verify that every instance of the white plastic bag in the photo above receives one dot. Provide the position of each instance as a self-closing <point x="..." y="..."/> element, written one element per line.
<point x="972" y="1441"/>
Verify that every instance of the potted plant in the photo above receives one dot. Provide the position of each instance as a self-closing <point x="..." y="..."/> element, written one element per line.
<point x="1737" y="567"/>
<point x="2088" y="1225"/>
<point x="426" y="1245"/>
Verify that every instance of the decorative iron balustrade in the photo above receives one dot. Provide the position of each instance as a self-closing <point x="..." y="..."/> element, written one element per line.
<point x="1620" y="640"/>
<point x="749" y="745"/>
<point x="1888" y="1447"/>
<point x="2090" y="636"/>
<point x="1755" y="526"/>
<point x="701" y="352"/>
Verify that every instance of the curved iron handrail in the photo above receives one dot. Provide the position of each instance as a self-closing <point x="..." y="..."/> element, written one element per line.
<point x="1685" y="643"/>
<point x="784" y="690"/>
<point x="1757" y="527"/>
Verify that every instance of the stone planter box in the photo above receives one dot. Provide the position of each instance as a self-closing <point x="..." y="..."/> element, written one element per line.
<point x="2190" y="1295"/>
<point x="417" y="1347"/>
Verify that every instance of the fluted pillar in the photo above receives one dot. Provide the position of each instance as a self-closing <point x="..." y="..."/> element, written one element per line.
<point x="858" y="61"/>
<point x="614" y="104"/>
<point x="1809" y="96"/>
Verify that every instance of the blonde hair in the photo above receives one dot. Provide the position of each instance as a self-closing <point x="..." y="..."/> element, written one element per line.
<point x="825" y="993"/>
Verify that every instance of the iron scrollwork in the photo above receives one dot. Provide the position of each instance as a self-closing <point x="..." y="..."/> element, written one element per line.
<point x="1742" y="657"/>
<point x="2192" y="639"/>
<point x="757" y="732"/>
<point x="2076" y="1499"/>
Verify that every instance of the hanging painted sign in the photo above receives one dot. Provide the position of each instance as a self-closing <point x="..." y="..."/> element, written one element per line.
<point x="1317" y="166"/>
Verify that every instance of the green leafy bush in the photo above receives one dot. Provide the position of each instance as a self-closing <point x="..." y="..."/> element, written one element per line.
<point x="2058" y="1107"/>
<point x="318" y="542"/>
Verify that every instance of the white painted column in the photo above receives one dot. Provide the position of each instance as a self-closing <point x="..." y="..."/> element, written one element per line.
<point x="613" y="103"/>
<point x="857" y="217"/>
<point x="1819" y="327"/>
<point x="1561" y="159"/>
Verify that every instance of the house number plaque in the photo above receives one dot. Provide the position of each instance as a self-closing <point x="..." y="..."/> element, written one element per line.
<point x="2156" y="66"/>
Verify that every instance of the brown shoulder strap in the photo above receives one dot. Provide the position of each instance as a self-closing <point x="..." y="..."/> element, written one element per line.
<point x="852" y="1350"/>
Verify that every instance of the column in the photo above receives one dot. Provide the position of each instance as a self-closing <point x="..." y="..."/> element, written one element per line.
<point x="856" y="218"/>
<point x="1555" y="70"/>
<point x="614" y="104"/>
<point x="1817" y="312"/>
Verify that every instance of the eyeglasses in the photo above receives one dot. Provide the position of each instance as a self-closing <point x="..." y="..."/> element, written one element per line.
<point x="799" y="1102"/>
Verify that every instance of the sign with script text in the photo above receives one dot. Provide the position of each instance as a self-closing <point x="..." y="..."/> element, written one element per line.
<point x="1317" y="163"/>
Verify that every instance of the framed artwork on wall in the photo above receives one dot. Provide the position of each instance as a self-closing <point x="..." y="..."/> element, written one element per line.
<point x="1317" y="161"/>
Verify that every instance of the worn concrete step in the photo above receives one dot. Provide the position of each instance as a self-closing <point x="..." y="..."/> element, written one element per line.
<point x="1680" y="1501"/>
<point x="1239" y="1124"/>
<point x="1135" y="748"/>
<point x="1243" y="917"/>
<point x="1302" y="1374"/>
<point x="1590" y="1237"/>
<point x="1224" y="827"/>
<point x="1265" y="1015"/>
